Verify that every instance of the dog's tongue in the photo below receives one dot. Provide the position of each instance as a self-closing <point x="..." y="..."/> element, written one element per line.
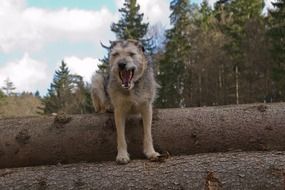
<point x="126" y="76"/>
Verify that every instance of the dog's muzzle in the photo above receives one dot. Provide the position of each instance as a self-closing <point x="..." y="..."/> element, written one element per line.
<point x="126" y="77"/>
<point x="126" y="73"/>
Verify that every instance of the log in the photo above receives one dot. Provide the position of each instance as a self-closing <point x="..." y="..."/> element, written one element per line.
<point x="49" y="140"/>
<point x="213" y="171"/>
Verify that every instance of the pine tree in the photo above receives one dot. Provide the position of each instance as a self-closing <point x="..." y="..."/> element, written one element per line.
<point x="240" y="12"/>
<point x="173" y="74"/>
<point x="37" y="94"/>
<point x="131" y="25"/>
<point x="59" y="94"/>
<point x="277" y="36"/>
<point x="207" y="15"/>
<point x="68" y="93"/>
<point x="207" y="77"/>
<point x="9" y="87"/>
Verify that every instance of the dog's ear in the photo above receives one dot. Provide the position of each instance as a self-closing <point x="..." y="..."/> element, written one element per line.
<point x="140" y="45"/>
<point x="137" y="43"/>
<point x="113" y="44"/>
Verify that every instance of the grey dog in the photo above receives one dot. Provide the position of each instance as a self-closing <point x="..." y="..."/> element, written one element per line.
<point x="129" y="87"/>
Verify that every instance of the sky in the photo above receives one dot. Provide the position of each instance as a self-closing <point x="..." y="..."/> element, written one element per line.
<point x="36" y="35"/>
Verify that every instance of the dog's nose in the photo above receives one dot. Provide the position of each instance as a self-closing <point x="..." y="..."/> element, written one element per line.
<point x="122" y="65"/>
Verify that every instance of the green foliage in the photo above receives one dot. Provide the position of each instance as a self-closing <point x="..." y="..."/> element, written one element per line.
<point x="37" y="94"/>
<point x="207" y="59"/>
<point x="236" y="18"/>
<point x="60" y="91"/>
<point x="131" y="25"/>
<point x="172" y="68"/>
<point x="216" y="56"/>
<point x="67" y="93"/>
<point x="206" y="16"/>
<point x="276" y="34"/>
<point x="240" y="12"/>
<point x="2" y="94"/>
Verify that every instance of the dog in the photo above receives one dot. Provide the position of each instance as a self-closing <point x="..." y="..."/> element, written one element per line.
<point x="128" y="87"/>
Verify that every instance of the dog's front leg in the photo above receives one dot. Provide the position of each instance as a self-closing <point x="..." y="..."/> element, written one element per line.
<point x="122" y="155"/>
<point x="147" y="121"/>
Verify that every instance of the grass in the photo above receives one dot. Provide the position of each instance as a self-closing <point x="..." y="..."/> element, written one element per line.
<point x="20" y="106"/>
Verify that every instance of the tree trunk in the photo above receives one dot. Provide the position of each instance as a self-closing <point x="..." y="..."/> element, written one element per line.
<point x="243" y="170"/>
<point x="46" y="140"/>
<point x="200" y="88"/>
<point x="237" y="84"/>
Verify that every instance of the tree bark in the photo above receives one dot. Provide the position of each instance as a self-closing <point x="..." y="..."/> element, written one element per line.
<point x="237" y="83"/>
<point x="46" y="140"/>
<point x="243" y="170"/>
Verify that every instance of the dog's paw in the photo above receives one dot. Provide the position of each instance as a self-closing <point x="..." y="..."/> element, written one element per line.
<point x="122" y="159"/>
<point x="152" y="155"/>
<point x="161" y="158"/>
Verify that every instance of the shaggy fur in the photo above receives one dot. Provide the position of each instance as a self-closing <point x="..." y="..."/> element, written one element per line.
<point x="129" y="87"/>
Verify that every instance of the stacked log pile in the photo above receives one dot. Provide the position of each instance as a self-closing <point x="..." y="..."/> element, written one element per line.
<point x="228" y="147"/>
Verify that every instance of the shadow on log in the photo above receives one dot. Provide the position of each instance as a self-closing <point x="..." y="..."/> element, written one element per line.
<point x="90" y="138"/>
<point x="216" y="171"/>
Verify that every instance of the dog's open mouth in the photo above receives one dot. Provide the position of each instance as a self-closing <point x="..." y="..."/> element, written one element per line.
<point x="126" y="77"/>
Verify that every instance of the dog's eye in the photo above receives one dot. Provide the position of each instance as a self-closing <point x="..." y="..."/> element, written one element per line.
<point x="132" y="54"/>
<point x="115" y="54"/>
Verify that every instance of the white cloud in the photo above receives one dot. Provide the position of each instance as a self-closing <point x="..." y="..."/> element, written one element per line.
<point x="155" y="11"/>
<point x="211" y="2"/>
<point x="27" y="74"/>
<point x="12" y="4"/>
<point x="28" y="28"/>
<point x="84" y="67"/>
<point x="267" y="3"/>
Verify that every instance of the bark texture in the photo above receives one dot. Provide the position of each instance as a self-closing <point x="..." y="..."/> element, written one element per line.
<point x="46" y="140"/>
<point x="243" y="170"/>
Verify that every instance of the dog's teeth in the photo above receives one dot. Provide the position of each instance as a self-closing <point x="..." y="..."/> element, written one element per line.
<point x="125" y="86"/>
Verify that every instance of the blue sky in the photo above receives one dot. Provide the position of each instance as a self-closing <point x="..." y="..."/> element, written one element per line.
<point x="77" y="4"/>
<point x="36" y="35"/>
